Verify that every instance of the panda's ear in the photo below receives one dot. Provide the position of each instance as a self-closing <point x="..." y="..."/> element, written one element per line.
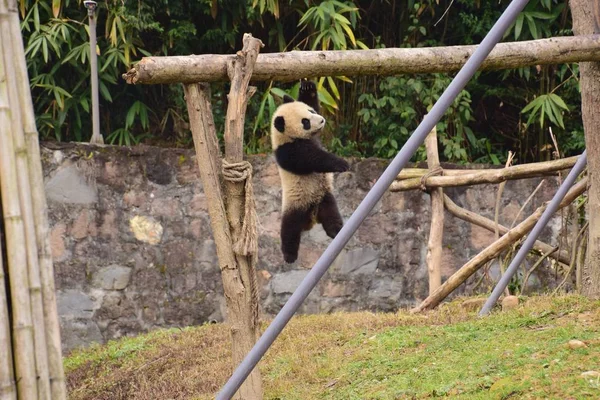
<point x="279" y="124"/>
<point x="287" y="99"/>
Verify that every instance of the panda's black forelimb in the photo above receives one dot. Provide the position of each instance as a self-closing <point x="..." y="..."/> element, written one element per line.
<point x="329" y="216"/>
<point x="308" y="94"/>
<point x="305" y="156"/>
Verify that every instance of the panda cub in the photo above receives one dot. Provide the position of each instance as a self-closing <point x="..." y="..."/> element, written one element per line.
<point x="305" y="169"/>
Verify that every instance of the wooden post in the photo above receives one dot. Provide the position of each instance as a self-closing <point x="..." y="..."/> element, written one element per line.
<point x="237" y="270"/>
<point x="492" y="250"/>
<point x="436" y="232"/>
<point x="586" y="20"/>
<point x="240" y="72"/>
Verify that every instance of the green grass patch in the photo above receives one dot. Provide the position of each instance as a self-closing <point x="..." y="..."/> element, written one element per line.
<point x="449" y="352"/>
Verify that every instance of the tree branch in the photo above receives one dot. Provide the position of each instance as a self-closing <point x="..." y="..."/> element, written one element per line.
<point x="295" y="65"/>
<point x="487" y="176"/>
<point x="492" y="250"/>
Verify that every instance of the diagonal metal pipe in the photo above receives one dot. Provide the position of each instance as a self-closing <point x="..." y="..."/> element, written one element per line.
<point x="535" y="232"/>
<point x="374" y="195"/>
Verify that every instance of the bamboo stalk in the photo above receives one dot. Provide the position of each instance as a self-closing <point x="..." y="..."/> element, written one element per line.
<point x="295" y="65"/>
<point x="436" y="231"/>
<point x="7" y="376"/>
<point x="24" y="189"/>
<point x="22" y="335"/>
<point x="492" y="250"/>
<point x="488" y="176"/>
<point x="40" y="216"/>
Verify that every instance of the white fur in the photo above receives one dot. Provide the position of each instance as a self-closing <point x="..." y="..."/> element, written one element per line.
<point x="299" y="191"/>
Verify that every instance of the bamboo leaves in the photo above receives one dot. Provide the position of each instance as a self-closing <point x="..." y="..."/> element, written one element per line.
<point x="546" y="107"/>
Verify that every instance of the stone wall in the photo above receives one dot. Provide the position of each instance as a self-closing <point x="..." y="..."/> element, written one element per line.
<point x="133" y="250"/>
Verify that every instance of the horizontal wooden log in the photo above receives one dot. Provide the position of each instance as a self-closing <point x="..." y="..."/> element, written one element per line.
<point x="294" y="65"/>
<point x="522" y="171"/>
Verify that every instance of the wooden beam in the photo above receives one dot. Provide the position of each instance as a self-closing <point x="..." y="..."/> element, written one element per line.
<point x="295" y="65"/>
<point x="522" y="171"/>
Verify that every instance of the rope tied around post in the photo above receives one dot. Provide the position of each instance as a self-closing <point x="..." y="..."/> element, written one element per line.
<point x="247" y="243"/>
<point x="436" y="171"/>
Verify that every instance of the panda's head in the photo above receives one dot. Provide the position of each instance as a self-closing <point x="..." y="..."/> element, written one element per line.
<point x="295" y="120"/>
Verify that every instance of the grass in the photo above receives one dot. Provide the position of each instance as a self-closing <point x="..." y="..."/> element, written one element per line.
<point x="449" y="352"/>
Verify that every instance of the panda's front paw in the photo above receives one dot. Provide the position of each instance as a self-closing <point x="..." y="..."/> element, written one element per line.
<point x="307" y="87"/>
<point x="290" y="257"/>
<point x="341" y="165"/>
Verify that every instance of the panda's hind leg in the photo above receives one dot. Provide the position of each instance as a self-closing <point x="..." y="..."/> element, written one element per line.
<point x="293" y="223"/>
<point x="329" y="216"/>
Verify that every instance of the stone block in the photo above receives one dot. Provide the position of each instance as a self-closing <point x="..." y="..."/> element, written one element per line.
<point x="113" y="277"/>
<point x="57" y="242"/>
<point x="73" y="303"/>
<point x="69" y="186"/>
<point x="360" y="261"/>
<point x="146" y="229"/>
<point x="78" y="333"/>
<point x="287" y="282"/>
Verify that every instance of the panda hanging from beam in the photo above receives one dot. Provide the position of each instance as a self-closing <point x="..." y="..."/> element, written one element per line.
<point x="305" y="169"/>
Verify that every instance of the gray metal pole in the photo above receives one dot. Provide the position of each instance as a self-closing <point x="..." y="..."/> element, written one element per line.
<point x="96" y="136"/>
<point x="374" y="195"/>
<point x="535" y="232"/>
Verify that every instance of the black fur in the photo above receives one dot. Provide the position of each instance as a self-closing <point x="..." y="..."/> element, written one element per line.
<point x="287" y="99"/>
<point x="296" y="221"/>
<point x="306" y="124"/>
<point x="305" y="156"/>
<point x="329" y="216"/>
<point x="279" y="124"/>
<point x="293" y="223"/>
<point x="308" y="94"/>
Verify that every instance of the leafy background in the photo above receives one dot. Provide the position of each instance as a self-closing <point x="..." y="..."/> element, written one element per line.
<point x="515" y="110"/>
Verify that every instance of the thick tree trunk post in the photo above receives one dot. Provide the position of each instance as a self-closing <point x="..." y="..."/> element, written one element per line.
<point x="452" y="178"/>
<point x="208" y="158"/>
<point x="436" y="232"/>
<point x="476" y="219"/>
<point x="295" y="65"/>
<point x="492" y="250"/>
<point x="238" y="203"/>
<point x="586" y="20"/>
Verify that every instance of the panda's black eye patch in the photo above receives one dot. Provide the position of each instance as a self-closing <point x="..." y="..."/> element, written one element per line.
<point x="306" y="123"/>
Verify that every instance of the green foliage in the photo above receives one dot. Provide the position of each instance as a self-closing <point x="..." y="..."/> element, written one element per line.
<point x="367" y="116"/>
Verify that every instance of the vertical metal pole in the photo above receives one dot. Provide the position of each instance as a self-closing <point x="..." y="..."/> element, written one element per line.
<point x="374" y="195"/>
<point x="535" y="232"/>
<point x="96" y="136"/>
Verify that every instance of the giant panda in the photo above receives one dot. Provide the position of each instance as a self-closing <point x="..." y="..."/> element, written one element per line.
<point x="305" y="169"/>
